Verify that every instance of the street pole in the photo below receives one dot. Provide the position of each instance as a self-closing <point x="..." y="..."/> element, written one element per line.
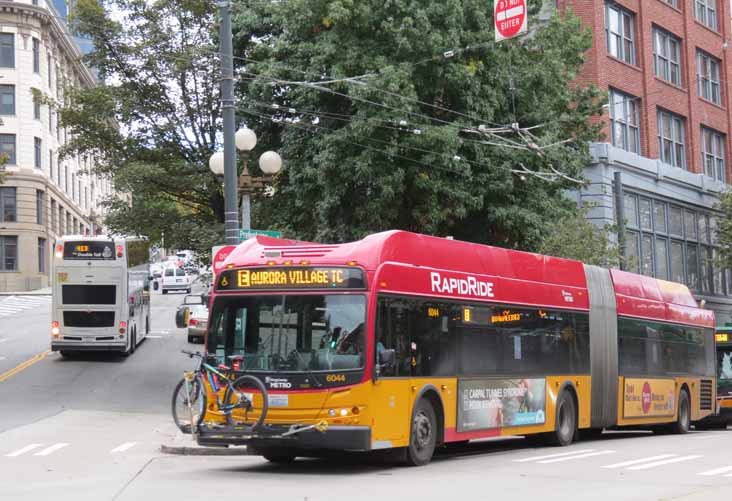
<point x="246" y="206"/>
<point x="231" y="222"/>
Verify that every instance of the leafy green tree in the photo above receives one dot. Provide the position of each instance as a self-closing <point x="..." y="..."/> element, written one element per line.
<point x="152" y="122"/>
<point x="724" y="230"/>
<point x="381" y="111"/>
<point x="574" y="237"/>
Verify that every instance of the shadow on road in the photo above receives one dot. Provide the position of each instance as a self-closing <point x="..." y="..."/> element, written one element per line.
<point x="91" y="356"/>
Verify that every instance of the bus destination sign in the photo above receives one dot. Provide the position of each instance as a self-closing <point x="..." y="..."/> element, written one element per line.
<point x="291" y="278"/>
<point x="89" y="250"/>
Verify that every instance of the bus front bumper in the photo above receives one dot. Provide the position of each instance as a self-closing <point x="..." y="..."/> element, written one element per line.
<point x="337" y="438"/>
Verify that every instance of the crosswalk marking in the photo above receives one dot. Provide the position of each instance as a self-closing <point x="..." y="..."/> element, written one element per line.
<point x="717" y="471"/>
<point x="23" y="450"/>
<point x="637" y="461"/>
<point x="123" y="447"/>
<point x="537" y="458"/>
<point x="50" y="450"/>
<point x="15" y="304"/>
<point x="665" y="461"/>
<point x="580" y="456"/>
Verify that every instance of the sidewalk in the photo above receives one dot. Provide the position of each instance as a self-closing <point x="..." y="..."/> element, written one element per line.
<point x="183" y="444"/>
<point x="46" y="291"/>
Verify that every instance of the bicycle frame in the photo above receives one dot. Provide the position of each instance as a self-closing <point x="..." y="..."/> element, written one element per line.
<point x="211" y="373"/>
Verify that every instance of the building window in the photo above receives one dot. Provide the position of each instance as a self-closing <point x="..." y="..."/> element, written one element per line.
<point x="674" y="243"/>
<point x="624" y="121"/>
<point x="36" y="56"/>
<point x="713" y="154"/>
<point x="38" y="150"/>
<point x="673" y="3"/>
<point x="8" y="253"/>
<point x="61" y="221"/>
<point x="40" y="206"/>
<point x="620" y="31"/>
<point x="54" y="219"/>
<point x="666" y="56"/>
<point x="7" y="99"/>
<point x="50" y="119"/>
<point x="8" y="205"/>
<point x="707" y="75"/>
<point x="66" y="179"/>
<point x="41" y="255"/>
<point x="672" y="139"/>
<point x="50" y="165"/>
<point x="73" y="187"/>
<point x="7" y="50"/>
<point x="36" y="109"/>
<point x="50" y="70"/>
<point x="7" y="147"/>
<point x="705" y="11"/>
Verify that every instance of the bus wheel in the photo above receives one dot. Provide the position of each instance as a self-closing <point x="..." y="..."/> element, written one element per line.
<point x="565" y="422"/>
<point x="133" y="343"/>
<point x="423" y="437"/>
<point x="683" y="419"/>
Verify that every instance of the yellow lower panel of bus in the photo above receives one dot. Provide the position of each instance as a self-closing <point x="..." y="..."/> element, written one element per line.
<point x="654" y="401"/>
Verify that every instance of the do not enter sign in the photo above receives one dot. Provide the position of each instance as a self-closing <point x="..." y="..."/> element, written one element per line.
<point x="220" y="253"/>
<point x="510" y="18"/>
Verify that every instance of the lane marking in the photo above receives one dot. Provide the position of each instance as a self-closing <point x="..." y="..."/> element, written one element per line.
<point x="123" y="447"/>
<point x="24" y="365"/>
<point x="717" y="471"/>
<point x="2" y="358"/>
<point x="51" y="450"/>
<point x="4" y="339"/>
<point x="154" y="337"/>
<point x="549" y="456"/>
<point x="23" y="450"/>
<point x="661" y="463"/>
<point x="636" y="461"/>
<point x="569" y="458"/>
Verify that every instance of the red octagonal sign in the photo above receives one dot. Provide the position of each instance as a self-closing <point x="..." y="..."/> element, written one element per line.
<point x="510" y="18"/>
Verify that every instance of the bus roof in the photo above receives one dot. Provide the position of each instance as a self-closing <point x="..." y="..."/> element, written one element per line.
<point x="635" y="293"/>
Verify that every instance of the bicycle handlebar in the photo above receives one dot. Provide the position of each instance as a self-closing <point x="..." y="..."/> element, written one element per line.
<point x="191" y="354"/>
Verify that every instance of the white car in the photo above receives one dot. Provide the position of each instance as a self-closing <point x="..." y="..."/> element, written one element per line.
<point x="175" y="279"/>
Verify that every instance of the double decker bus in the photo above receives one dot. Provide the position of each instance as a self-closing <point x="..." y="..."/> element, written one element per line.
<point x="100" y="294"/>
<point x="412" y="342"/>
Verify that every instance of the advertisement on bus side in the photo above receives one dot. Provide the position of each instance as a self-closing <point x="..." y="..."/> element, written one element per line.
<point x="484" y="404"/>
<point x="649" y="398"/>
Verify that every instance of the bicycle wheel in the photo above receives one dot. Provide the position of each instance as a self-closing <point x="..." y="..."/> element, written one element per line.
<point x="234" y="395"/>
<point x="183" y="414"/>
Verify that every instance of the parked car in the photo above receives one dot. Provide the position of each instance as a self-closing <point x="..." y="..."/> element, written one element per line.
<point x="197" y="322"/>
<point x="175" y="279"/>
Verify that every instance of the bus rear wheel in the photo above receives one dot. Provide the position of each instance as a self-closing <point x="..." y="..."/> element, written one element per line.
<point x="565" y="422"/>
<point x="683" y="414"/>
<point x="423" y="435"/>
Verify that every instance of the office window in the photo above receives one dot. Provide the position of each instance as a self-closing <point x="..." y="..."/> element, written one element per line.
<point x="672" y="139"/>
<point x="7" y="147"/>
<point x="50" y="165"/>
<point x="50" y="70"/>
<point x="73" y="186"/>
<point x="713" y="154"/>
<point x="8" y="253"/>
<point x="54" y="218"/>
<point x="41" y="255"/>
<point x="7" y="99"/>
<point x="66" y="179"/>
<point x="36" y="109"/>
<point x="36" y="56"/>
<point x="8" y="205"/>
<point x="40" y="206"/>
<point x="37" y="148"/>
<point x="7" y="50"/>
<point x="624" y="121"/>
<point x="620" y="33"/>
<point x="707" y="75"/>
<point x="666" y="56"/>
<point x="705" y="11"/>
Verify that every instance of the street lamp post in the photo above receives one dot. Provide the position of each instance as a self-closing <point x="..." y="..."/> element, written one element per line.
<point x="270" y="163"/>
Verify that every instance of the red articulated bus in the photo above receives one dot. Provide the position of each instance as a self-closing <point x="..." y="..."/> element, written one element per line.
<point x="413" y="342"/>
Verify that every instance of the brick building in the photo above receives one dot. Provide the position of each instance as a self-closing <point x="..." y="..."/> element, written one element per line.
<point x="42" y="196"/>
<point x="667" y="67"/>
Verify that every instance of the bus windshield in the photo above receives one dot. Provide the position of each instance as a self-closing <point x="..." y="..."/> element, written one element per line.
<point x="290" y="333"/>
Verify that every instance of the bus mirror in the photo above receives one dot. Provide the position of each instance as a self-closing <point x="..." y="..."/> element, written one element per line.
<point x="386" y="359"/>
<point x="181" y="318"/>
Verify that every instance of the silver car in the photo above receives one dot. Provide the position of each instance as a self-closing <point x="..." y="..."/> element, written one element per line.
<point x="197" y="322"/>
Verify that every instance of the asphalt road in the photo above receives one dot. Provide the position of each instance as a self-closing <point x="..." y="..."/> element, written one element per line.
<point x="91" y="428"/>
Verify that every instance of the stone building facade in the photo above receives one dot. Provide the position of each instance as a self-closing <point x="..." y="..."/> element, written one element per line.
<point x="41" y="197"/>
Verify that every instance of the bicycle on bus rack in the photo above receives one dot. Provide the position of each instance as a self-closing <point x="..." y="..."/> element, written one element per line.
<point x="190" y="397"/>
